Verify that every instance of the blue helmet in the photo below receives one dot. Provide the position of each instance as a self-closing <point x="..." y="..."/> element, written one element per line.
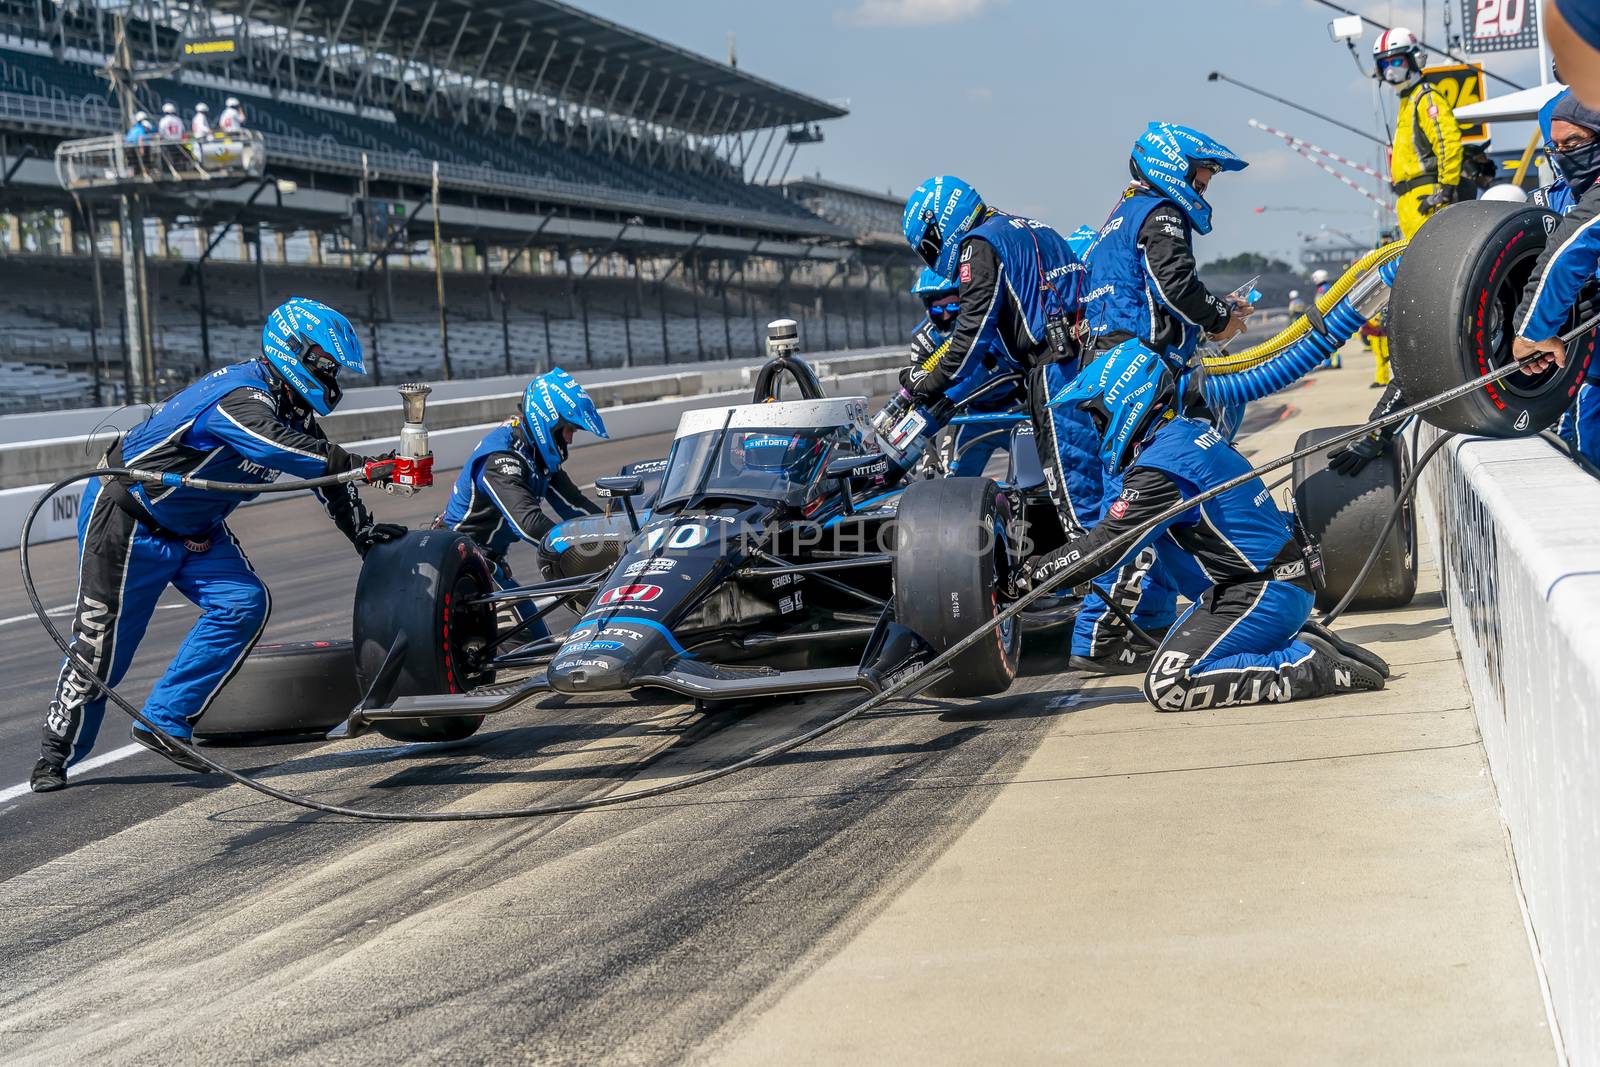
<point x="287" y="338"/>
<point x="1125" y="391"/>
<point x="552" y="400"/>
<point x="1167" y="157"/>
<point x="931" y="283"/>
<point x="938" y="215"/>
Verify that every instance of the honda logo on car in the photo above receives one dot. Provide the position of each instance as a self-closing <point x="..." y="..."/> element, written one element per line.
<point x="629" y="594"/>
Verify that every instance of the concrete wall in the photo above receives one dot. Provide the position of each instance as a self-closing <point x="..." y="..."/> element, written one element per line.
<point x="1521" y="560"/>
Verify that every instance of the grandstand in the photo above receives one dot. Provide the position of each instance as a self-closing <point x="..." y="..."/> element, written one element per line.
<point x="604" y="196"/>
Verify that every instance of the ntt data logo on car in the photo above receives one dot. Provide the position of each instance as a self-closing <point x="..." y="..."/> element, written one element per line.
<point x="629" y="594"/>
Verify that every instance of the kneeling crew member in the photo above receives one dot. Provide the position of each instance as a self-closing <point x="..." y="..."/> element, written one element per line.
<point x="244" y="423"/>
<point x="498" y="498"/>
<point x="1244" y="640"/>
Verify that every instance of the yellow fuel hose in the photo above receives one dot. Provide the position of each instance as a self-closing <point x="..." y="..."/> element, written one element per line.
<point x="1254" y="356"/>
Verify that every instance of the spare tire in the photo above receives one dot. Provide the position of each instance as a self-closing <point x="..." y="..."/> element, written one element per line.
<point x="1345" y="514"/>
<point x="421" y="585"/>
<point x="305" y="687"/>
<point x="1449" y="318"/>
<point x="950" y="555"/>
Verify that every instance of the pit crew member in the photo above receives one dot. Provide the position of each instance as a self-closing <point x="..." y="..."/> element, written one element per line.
<point x="1245" y="639"/>
<point x="1144" y="284"/>
<point x="244" y="423"/>
<point x="499" y="496"/>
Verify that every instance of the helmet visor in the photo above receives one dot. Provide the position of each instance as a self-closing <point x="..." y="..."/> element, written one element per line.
<point x="932" y="241"/>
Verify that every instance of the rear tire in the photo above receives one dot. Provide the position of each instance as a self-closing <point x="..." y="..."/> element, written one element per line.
<point x="1345" y="514"/>
<point x="416" y="585"/>
<point x="301" y="688"/>
<point x="950" y="554"/>
<point x="1450" y="318"/>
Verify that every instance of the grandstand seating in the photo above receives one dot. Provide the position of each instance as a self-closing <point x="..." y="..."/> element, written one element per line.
<point x="31" y="74"/>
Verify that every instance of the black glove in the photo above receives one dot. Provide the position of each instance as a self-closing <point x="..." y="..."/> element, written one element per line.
<point x="1349" y="460"/>
<point x="340" y="460"/>
<point x="1439" y="199"/>
<point x="376" y="533"/>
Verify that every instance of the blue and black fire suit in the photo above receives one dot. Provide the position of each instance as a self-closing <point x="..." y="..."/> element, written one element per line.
<point x="1235" y="556"/>
<point x="1570" y="260"/>
<point x="499" y="496"/>
<point x="234" y="425"/>
<point x="993" y="385"/>
<point x="1142" y="283"/>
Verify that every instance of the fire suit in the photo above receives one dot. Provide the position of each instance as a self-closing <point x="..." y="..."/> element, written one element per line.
<point x="1426" y="155"/>
<point x="234" y="425"/>
<point x="1234" y="556"/>
<point x="1570" y="260"/>
<point x="993" y="384"/>
<point x="498" y="499"/>
<point x="1143" y="283"/>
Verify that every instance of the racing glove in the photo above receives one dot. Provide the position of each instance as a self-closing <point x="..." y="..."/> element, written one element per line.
<point x="1437" y="200"/>
<point x="924" y="385"/>
<point x="1349" y="460"/>
<point x="376" y="533"/>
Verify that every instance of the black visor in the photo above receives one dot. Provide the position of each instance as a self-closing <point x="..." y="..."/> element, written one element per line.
<point x="932" y="242"/>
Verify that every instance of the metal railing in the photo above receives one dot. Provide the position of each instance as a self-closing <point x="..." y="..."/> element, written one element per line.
<point x="108" y="160"/>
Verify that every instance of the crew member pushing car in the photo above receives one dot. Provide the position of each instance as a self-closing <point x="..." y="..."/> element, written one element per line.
<point x="498" y="499"/>
<point x="244" y="423"/>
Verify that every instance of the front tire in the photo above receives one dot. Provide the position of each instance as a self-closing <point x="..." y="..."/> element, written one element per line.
<point x="950" y="553"/>
<point x="1345" y="513"/>
<point x="420" y="585"/>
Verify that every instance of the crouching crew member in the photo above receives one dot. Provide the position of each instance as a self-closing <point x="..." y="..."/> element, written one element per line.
<point x="244" y="423"/>
<point x="498" y="499"/>
<point x="1245" y="639"/>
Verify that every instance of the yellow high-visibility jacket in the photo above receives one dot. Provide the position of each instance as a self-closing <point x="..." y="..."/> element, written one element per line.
<point x="1427" y="141"/>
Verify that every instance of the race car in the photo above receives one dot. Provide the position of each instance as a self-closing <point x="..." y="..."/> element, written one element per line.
<point x="765" y="555"/>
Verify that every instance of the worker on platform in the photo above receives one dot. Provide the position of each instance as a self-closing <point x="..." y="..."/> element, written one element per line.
<point x="171" y="124"/>
<point x="1425" y="160"/>
<point x="232" y="118"/>
<point x="200" y="124"/>
<point x="141" y="131"/>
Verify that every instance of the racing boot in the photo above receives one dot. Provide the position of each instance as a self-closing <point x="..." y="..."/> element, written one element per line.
<point x="47" y="777"/>
<point x="1329" y="672"/>
<point x="166" y="747"/>
<point x="1347" y="649"/>
<point x="1124" y="656"/>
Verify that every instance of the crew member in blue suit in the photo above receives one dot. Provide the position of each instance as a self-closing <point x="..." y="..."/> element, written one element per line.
<point x="993" y="384"/>
<point x="1019" y="286"/>
<point x="499" y="497"/>
<point x="245" y="423"/>
<point x="141" y="130"/>
<point x="1144" y="283"/>
<point x="1570" y="259"/>
<point x="1247" y="638"/>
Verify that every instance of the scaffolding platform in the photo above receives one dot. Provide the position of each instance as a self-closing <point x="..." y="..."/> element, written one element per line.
<point x="108" y="163"/>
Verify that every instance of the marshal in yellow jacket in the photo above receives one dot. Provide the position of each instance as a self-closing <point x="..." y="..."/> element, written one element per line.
<point x="1426" y="153"/>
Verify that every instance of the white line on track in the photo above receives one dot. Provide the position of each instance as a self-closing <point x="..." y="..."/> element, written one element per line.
<point x="87" y="765"/>
<point x="66" y="609"/>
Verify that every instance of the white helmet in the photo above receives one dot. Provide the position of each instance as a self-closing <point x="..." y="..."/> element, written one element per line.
<point x="1398" y="43"/>
<point x="233" y="101"/>
<point x="1319" y="276"/>
<point x="201" y="109"/>
<point x="169" y="108"/>
<point x="140" y="116"/>
<point x="1294" y="294"/>
<point x="1511" y="194"/>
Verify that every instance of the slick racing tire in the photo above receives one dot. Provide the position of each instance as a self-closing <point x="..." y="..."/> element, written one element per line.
<point x="419" y="586"/>
<point x="1450" y="320"/>
<point x="1345" y="514"/>
<point x="305" y="687"/>
<point x="950" y="557"/>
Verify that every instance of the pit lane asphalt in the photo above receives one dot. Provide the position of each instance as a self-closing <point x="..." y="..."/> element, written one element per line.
<point x="150" y="916"/>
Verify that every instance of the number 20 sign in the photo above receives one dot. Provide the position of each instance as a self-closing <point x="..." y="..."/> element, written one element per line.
<point x="1500" y="25"/>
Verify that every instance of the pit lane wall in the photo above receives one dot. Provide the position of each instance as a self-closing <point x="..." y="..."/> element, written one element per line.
<point x="455" y="427"/>
<point x="1519" y="543"/>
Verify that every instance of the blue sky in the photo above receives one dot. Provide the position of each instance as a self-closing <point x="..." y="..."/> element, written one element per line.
<point x="1037" y="101"/>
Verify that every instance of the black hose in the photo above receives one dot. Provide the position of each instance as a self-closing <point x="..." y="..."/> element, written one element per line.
<point x="910" y="683"/>
<point x="1406" y="492"/>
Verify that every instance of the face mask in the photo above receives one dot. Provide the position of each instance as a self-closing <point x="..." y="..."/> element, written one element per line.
<point x="1579" y="167"/>
<point x="1396" y="71"/>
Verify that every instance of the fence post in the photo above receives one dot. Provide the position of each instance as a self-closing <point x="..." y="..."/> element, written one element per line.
<point x="666" y="340"/>
<point x="505" y="329"/>
<point x="549" y="356"/>
<point x="727" y="330"/>
<point x="627" y="341"/>
<point x="588" y="348"/>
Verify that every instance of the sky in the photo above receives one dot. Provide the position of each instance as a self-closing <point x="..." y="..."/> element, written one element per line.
<point x="1038" y="102"/>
